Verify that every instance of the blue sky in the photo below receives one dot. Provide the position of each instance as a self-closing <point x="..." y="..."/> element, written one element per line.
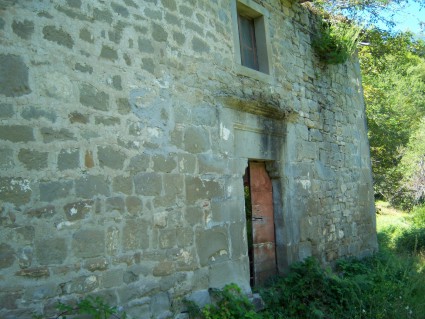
<point x="409" y="18"/>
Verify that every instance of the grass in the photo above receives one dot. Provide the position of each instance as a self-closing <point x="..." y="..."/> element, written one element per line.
<point x="388" y="216"/>
<point x="389" y="285"/>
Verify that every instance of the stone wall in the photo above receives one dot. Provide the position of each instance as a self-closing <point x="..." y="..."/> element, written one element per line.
<point x="125" y="131"/>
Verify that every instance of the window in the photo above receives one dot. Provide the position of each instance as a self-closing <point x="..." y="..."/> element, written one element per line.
<point x="247" y="42"/>
<point x="251" y="38"/>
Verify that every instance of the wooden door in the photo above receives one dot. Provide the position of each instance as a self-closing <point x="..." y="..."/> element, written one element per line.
<point x="263" y="234"/>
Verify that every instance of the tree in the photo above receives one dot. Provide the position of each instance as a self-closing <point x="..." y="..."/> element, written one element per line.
<point x="413" y="163"/>
<point x="366" y="12"/>
<point x="393" y="68"/>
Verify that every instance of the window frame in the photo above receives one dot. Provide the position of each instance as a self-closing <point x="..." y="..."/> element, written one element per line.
<point x="260" y="15"/>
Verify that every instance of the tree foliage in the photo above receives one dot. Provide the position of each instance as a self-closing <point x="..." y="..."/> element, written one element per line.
<point x="366" y="12"/>
<point x="393" y="68"/>
<point x="413" y="163"/>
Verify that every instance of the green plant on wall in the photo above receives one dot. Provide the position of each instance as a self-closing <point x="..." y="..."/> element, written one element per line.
<point x="92" y="307"/>
<point x="336" y="41"/>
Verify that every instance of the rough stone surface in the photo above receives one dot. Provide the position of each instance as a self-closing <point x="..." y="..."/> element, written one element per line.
<point x="23" y="29"/>
<point x="59" y="36"/>
<point x="49" y="191"/>
<point x="126" y="128"/>
<point x="13" y="75"/>
<point x="7" y="255"/>
<point x="88" y="243"/>
<point x="51" y="251"/>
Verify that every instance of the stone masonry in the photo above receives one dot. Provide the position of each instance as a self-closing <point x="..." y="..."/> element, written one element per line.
<point x="125" y="132"/>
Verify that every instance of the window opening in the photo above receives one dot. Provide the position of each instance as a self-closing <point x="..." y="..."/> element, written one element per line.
<point x="248" y="42"/>
<point x="252" y="40"/>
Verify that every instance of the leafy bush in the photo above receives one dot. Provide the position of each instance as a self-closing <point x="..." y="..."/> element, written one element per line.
<point x="230" y="303"/>
<point x="308" y="291"/>
<point x="336" y="42"/>
<point x="411" y="240"/>
<point x="94" y="307"/>
<point x="382" y="286"/>
<point x="418" y="216"/>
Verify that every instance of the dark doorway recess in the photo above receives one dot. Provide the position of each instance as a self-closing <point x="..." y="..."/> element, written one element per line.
<point x="260" y="223"/>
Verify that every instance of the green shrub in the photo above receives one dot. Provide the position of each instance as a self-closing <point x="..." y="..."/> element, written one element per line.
<point x="336" y="41"/>
<point x="382" y="286"/>
<point x="418" y="216"/>
<point x="411" y="240"/>
<point x="229" y="303"/>
<point x="93" y="307"/>
<point x="309" y="291"/>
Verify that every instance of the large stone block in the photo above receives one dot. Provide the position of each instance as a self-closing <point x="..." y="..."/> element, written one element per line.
<point x="88" y="243"/>
<point x="15" y="190"/>
<point x="6" y="160"/>
<point x="9" y="299"/>
<point x="212" y="245"/>
<point x="238" y="239"/>
<point x="102" y="15"/>
<point x="148" y="184"/>
<point x="135" y="235"/>
<point x="68" y="159"/>
<point x="122" y="184"/>
<point x="163" y="163"/>
<point x="78" y="210"/>
<point x="158" y="33"/>
<point x="164" y="268"/>
<point x="50" y="251"/>
<point x="35" y="272"/>
<point x="25" y="256"/>
<point x="59" y="36"/>
<point x="110" y="157"/>
<point x="134" y="205"/>
<point x="82" y="285"/>
<point x="51" y="135"/>
<point x="194" y="215"/>
<point x="6" y="110"/>
<point x="196" y="140"/>
<point x="32" y="112"/>
<point x="42" y="212"/>
<point x="212" y="164"/>
<point x="92" y="97"/>
<point x="185" y="237"/>
<point x="16" y="133"/>
<point x="160" y="303"/>
<point x="23" y="29"/>
<point x="7" y="255"/>
<point x="167" y="238"/>
<point x="112" y="278"/>
<point x="13" y="76"/>
<point x="112" y="240"/>
<point x="200" y="46"/>
<point x="230" y="272"/>
<point x="115" y="204"/>
<point x="145" y="45"/>
<point x="50" y="191"/>
<point x="173" y="188"/>
<point x="90" y="186"/>
<point x="199" y="189"/>
<point x="108" y="53"/>
<point x="228" y="210"/>
<point x="186" y="163"/>
<point x="96" y="264"/>
<point x="169" y="4"/>
<point x="119" y="9"/>
<point x="139" y="163"/>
